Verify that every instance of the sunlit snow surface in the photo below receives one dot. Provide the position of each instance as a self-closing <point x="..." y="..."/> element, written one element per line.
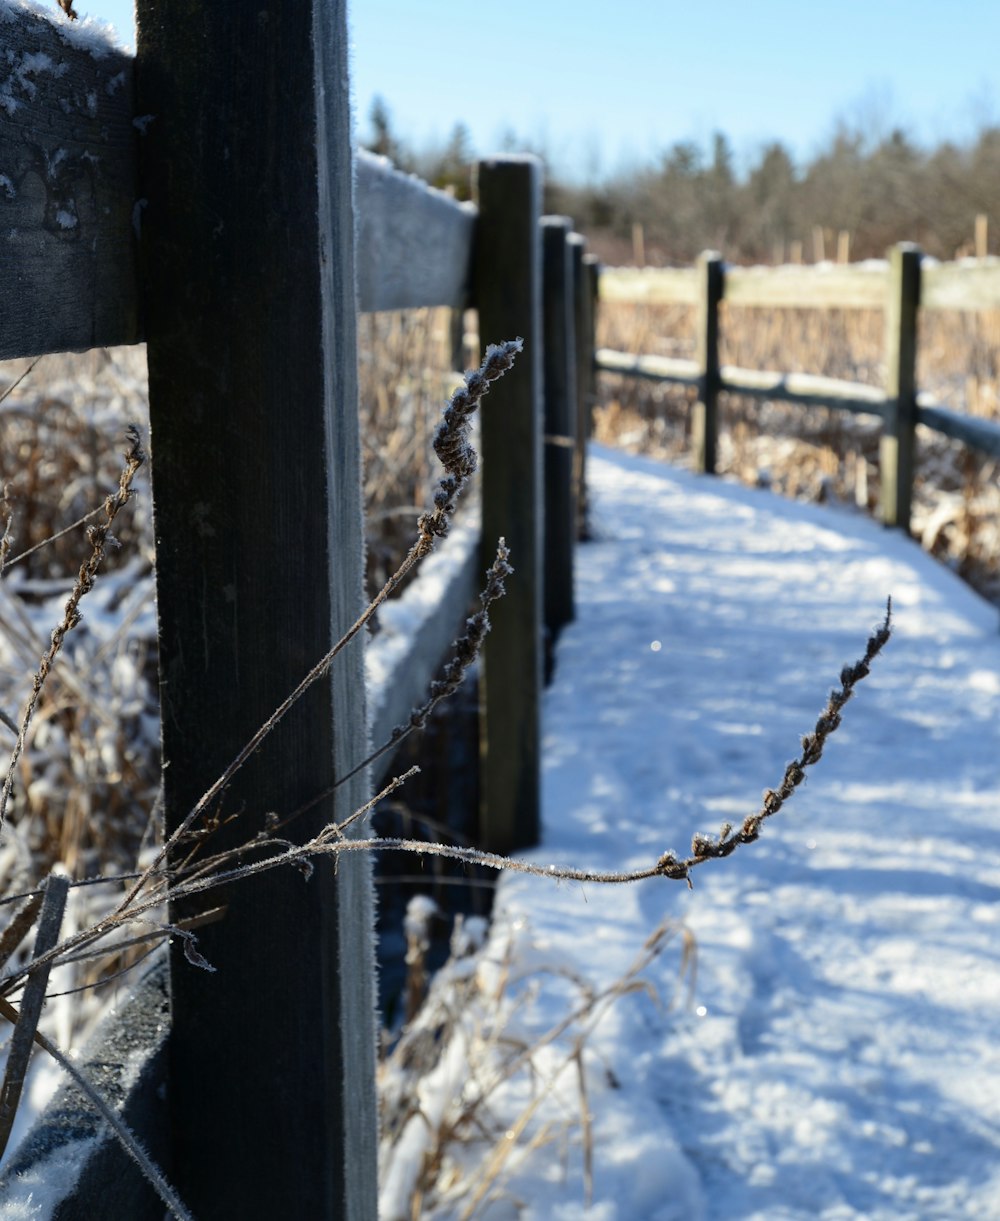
<point x="840" y="1056"/>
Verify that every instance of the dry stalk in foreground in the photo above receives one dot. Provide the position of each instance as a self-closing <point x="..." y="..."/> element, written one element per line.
<point x="157" y="885"/>
<point x="98" y="537"/>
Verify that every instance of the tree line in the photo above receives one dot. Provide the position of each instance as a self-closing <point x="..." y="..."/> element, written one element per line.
<point x="859" y="192"/>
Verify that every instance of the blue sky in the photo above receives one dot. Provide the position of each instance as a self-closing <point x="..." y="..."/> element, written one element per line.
<point x="604" y="85"/>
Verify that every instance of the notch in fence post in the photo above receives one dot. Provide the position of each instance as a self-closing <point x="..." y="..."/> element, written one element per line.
<point x="247" y="245"/>
<point x="705" y="415"/>
<point x="507" y="287"/>
<point x="897" y="443"/>
<point x="560" y="427"/>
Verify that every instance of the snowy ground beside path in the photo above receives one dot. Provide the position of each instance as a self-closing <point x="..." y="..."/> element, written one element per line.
<point x="839" y="1057"/>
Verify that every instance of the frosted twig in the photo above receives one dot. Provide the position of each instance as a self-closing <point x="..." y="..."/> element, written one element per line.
<point x="19" y="379"/>
<point x="19" y="1051"/>
<point x="464" y="652"/>
<point x="6" y="542"/>
<point x="52" y="538"/>
<point x="459" y="460"/>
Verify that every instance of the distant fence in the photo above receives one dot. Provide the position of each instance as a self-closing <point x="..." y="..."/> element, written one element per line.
<point x="901" y="290"/>
<point x="203" y="198"/>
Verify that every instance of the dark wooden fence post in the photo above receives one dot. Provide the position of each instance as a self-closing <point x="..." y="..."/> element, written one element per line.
<point x="560" y="425"/>
<point x="248" y="249"/>
<point x="585" y="273"/>
<point x="705" y="417"/>
<point x="897" y="446"/>
<point x="507" y="287"/>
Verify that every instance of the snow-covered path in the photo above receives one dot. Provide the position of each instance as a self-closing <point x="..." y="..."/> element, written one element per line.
<point x="840" y="1056"/>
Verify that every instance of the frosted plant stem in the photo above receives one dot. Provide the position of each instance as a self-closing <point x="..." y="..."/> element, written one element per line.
<point x="459" y="460"/>
<point x="97" y="536"/>
<point x="19" y="1051"/>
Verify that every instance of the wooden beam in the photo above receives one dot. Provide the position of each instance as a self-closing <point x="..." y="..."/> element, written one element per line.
<point x="508" y="296"/>
<point x="980" y="435"/>
<point x="560" y="426"/>
<point x="67" y="188"/>
<point x="414" y="243"/>
<point x="583" y="325"/>
<point x="649" y="285"/>
<point x="705" y="413"/>
<point x="961" y="286"/>
<point x="248" y="247"/>
<point x="897" y="446"/>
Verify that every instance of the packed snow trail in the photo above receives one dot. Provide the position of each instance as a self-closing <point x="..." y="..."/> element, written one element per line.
<point x="839" y="1055"/>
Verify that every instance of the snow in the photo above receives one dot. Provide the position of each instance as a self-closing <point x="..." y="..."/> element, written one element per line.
<point x="98" y="37"/>
<point x="835" y="1054"/>
<point x="401" y="619"/>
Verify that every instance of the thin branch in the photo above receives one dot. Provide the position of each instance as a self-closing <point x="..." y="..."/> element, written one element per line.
<point x="464" y="652"/>
<point x="80" y="521"/>
<point x="19" y="1051"/>
<point x="19" y="379"/>
<point x="459" y="459"/>
<point x="97" y="536"/>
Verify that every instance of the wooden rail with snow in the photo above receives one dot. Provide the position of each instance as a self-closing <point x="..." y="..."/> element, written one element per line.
<point x="205" y="198"/>
<point x="907" y="287"/>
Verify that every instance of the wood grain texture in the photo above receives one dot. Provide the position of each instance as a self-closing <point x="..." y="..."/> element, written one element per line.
<point x="67" y="190"/>
<point x="508" y="295"/>
<point x="248" y="247"/>
<point x="414" y="243"/>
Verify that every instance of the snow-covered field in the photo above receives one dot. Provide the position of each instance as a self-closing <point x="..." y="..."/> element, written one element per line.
<point x="836" y="1053"/>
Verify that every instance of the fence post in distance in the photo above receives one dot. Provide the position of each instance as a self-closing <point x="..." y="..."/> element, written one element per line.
<point x="560" y="427"/>
<point x="897" y="444"/>
<point x="586" y="270"/>
<point x="705" y="416"/>
<point x="507" y="290"/>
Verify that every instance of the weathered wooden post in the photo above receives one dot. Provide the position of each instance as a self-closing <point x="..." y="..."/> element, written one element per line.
<point x="507" y="287"/>
<point x="897" y="445"/>
<point x="586" y="270"/>
<point x="247" y="240"/>
<point x="560" y="424"/>
<point x="705" y="416"/>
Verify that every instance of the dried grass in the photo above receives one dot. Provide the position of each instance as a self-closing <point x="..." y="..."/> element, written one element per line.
<point x="481" y="1078"/>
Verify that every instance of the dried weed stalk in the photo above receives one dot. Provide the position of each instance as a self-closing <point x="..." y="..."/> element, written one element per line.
<point x="160" y="883"/>
<point x="441" y="1082"/>
<point x="98" y="537"/>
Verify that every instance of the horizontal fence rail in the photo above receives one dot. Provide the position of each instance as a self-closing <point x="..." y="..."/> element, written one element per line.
<point x="966" y="286"/>
<point x="414" y="243"/>
<point x="899" y="287"/>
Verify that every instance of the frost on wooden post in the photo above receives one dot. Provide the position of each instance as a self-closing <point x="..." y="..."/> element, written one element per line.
<point x="68" y="265"/>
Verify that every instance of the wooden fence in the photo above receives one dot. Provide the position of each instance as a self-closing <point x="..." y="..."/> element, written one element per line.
<point x="204" y="198"/>
<point x="901" y="291"/>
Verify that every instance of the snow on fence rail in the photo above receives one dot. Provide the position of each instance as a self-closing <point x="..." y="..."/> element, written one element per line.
<point x="901" y="291"/>
<point x="204" y="198"/>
